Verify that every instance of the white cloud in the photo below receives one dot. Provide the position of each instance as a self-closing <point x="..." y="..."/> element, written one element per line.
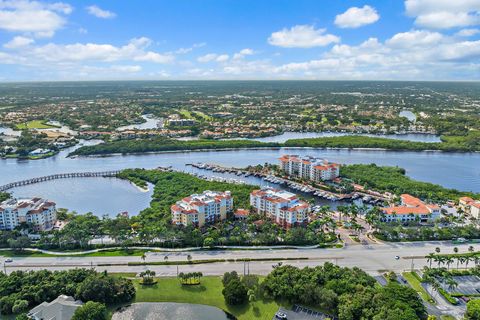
<point x="213" y="57"/>
<point x="417" y="54"/>
<point x="126" y="68"/>
<point x="356" y="17"/>
<point x="444" y="14"/>
<point x="39" y="19"/>
<point x="18" y="42"/>
<point x="100" y="13"/>
<point x="56" y="54"/>
<point x="414" y="39"/>
<point x="243" y="53"/>
<point x="467" y="32"/>
<point x="302" y="36"/>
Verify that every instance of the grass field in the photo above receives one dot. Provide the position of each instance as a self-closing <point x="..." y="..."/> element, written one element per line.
<point x="417" y="286"/>
<point x="34" y="124"/>
<point x="209" y="292"/>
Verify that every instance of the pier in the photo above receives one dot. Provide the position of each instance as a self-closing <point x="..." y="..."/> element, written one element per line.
<point x="59" y="176"/>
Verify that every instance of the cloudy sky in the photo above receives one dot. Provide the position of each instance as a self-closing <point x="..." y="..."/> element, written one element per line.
<point x="240" y="39"/>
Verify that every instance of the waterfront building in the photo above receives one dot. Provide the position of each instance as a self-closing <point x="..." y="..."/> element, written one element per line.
<point x="201" y="209"/>
<point x="282" y="207"/>
<point x="470" y="206"/>
<point x="309" y="168"/>
<point x="39" y="213"/>
<point x="61" y="308"/>
<point x="181" y="122"/>
<point x="411" y="209"/>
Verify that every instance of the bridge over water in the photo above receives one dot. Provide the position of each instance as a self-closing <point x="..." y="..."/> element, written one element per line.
<point x="59" y="176"/>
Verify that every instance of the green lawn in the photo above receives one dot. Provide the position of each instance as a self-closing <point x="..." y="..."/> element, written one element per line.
<point x="34" y="124"/>
<point x="417" y="286"/>
<point x="185" y="114"/>
<point x="209" y="292"/>
<point x="106" y="253"/>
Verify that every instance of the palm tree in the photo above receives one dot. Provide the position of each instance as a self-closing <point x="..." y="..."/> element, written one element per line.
<point x="143" y="257"/>
<point x="181" y="276"/>
<point x="471" y="249"/>
<point x="437" y="249"/>
<point x="455" y="250"/>
<point x="452" y="284"/>
<point x="430" y="258"/>
<point x="189" y="258"/>
<point x="435" y="285"/>
<point x="448" y="261"/>
<point x="165" y="258"/>
<point x="462" y="260"/>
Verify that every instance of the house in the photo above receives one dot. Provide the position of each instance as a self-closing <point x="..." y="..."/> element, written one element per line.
<point x="201" y="209"/>
<point x="475" y="209"/>
<point x="309" y="168"/>
<point x="61" y="308"/>
<point x="40" y="213"/>
<point x="241" y="214"/>
<point x="282" y="207"/>
<point x="411" y="209"/>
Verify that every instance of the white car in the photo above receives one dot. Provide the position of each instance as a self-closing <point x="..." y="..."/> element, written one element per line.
<point x="281" y="315"/>
<point x="8" y="260"/>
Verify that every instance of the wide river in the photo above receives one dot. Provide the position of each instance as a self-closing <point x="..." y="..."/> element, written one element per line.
<point x="111" y="196"/>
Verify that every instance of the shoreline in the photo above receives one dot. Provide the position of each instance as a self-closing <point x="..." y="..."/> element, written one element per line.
<point x="262" y="148"/>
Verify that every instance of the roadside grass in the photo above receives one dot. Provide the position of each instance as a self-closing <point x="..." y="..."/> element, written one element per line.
<point x="209" y="292"/>
<point x="123" y="274"/>
<point x="34" y="124"/>
<point x="413" y="281"/>
<point x="105" y="253"/>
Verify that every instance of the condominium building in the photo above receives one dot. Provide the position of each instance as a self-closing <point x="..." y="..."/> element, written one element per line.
<point x="411" y="209"/>
<point x="309" y="168"/>
<point x="39" y="213"/>
<point x="282" y="207"/>
<point x="470" y="206"/>
<point x="201" y="209"/>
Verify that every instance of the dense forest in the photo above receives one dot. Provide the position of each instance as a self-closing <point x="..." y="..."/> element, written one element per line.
<point x="350" y="294"/>
<point x="165" y="144"/>
<point x="470" y="142"/>
<point x="394" y="180"/>
<point x="20" y="290"/>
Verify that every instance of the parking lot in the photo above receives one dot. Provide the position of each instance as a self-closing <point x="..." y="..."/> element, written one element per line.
<point x="302" y="313"/>
<point x="467" y="285"/>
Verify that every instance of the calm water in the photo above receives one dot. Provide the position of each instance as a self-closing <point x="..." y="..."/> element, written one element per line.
<point x="150" y="123"/>
<point x="454" y="170"/>
<point x="409" y="115"/>
<point x="170" y="311"/>
<point x="419" y="137"/>
<point x="89" y="195"/>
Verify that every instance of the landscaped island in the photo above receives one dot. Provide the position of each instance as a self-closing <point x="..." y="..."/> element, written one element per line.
<point x="468" y="143"/>
<point x="394" y="180"/>
<point x="165" y="144"/>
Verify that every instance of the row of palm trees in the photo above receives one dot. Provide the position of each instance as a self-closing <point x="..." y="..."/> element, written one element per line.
<point x="147" y="276"/>
<point x="190" y="277"/>
<point x="461" y="259"/>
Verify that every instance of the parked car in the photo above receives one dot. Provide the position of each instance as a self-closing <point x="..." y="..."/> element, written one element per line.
<point x="280" y="315"/>
<point x="8" y="260"/>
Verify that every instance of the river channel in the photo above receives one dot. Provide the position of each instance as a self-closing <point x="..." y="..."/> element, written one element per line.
<point x="111" y="196"/>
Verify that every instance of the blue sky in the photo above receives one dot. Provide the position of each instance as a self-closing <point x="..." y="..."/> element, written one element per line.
<point x="240" y="39"/>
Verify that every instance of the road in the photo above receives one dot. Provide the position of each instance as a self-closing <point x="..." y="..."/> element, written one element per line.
<point x="373" y="258"/>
